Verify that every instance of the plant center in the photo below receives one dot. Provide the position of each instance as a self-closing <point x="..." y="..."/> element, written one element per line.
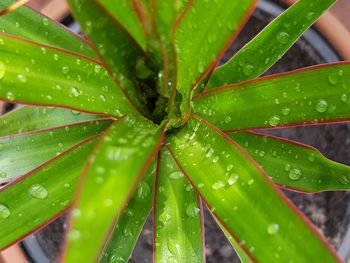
<point x="158" y="94"/>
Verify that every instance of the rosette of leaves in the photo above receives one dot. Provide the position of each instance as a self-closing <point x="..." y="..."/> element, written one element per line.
<point x="136" y="116"/>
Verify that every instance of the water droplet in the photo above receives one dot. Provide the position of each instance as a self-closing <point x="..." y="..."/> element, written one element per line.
<point x="274" y="120"/>
<point x="75" y="112"/>
<point x="209" y="152"/>
<point x="4" y="211"/>
<point x="22" y="78"/>
<point x="129" y="212"/>
<point x="287" y="167"/>
<point x="272" y="229"/>
<point x="229" y="167"/>
<point x="10" y="96"/>
<point x="143" y="190"/>
<point x="248" y="69"/>
<point x="283" y="37"/>
<point x="74" y="92"/>
<point x="65" y="70"/>
<point x="310" y="15"/>
<point x="233" y="179"/>
<point x="45" y="21"/>
<point x="344" y="97"/>
<point x="3" y="175"/>
<point x="176" y="175"/>
<point x="192" y="210"/>
<point x="38" y="191"/>
<point x="295" y="174"/>
<point x="321" y="106"/>
<point x="333" y="78"/>
<point x="97" y="68"/>
<point x="127" y="232"/>
<point x="228" y="119"/>
<point x="218" y="185"/>
<point x="262" y="153"/>
<point x="2" y="69"/>
<point x="285" y="111"/>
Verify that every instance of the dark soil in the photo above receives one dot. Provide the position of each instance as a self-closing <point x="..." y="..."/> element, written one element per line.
<point x="326" y="210"/>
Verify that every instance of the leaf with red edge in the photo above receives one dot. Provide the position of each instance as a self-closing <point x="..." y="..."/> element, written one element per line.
<point x="29" y="118"/>
<point x="49" y="76"/>
<point x="114" y="44"/>
<point x="270" y="44"/>
<point x="243" y="256"/>
<point x="203" y="33"/>
<point x="28" y="24"/>
<point x="314" y="95"/>
<point x="126" y="13"/>
<point x="294" y="165"/>
<point x="266" y="225"/>
<point x="178" y="218"/>
<point x="22" y="153"/>
<point x="39" y="197"/>
<point x="110" y="178"/>
<point x="130" y="223"/>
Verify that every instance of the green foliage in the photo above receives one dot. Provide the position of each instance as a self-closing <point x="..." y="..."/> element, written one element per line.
<point x="140" y="119"/>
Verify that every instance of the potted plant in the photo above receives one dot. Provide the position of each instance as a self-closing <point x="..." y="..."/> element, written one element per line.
<point x="160" y="109"/>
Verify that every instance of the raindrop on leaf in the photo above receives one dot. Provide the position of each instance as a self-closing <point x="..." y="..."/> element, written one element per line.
<point x="4" y="211"/>
<point x="38" y="191"/>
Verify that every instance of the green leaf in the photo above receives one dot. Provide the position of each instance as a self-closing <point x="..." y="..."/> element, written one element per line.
<point x="161" y="47"/>
<point x="28" y="118"/>
<point x="48" y="76"/>
<point x="309" y="96"/>
<point x="111" y="176"/>
<point x="41" y="196"/>
<point x="203" y="33"/>
<point x="294" y="165"/>
<point x="125" y="12"/>
<point x="129" y="226"/>
<point x="243" y="256"/>
<point x="22" y="153"/>
<point x="26" y="23"/>
<point x="177" y="217"/>
<point x="270" y="44"/>
<point x="113" y="43"/>
<point x="263" y="221"/>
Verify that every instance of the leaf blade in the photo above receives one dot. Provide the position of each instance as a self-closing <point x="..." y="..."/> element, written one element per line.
<point x="117" y="49"/>
<point x="242" y="190"/>
<point x="26" y="23"/>
<point x="22" y="153"/>
<point x="118" y="154"/>
<point x="270" y="44"/>
<point x="313" y="95"/>
<point x="294" y="165"/>
<point x="59" y="177"/>
<point x="28" y="118"/>
<point x="177" y="207"/>
<point x="196" y="57"/>
<point x="130" y="223"/>
<point x="59" y="78"/>
<point x="125" y="13"/>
